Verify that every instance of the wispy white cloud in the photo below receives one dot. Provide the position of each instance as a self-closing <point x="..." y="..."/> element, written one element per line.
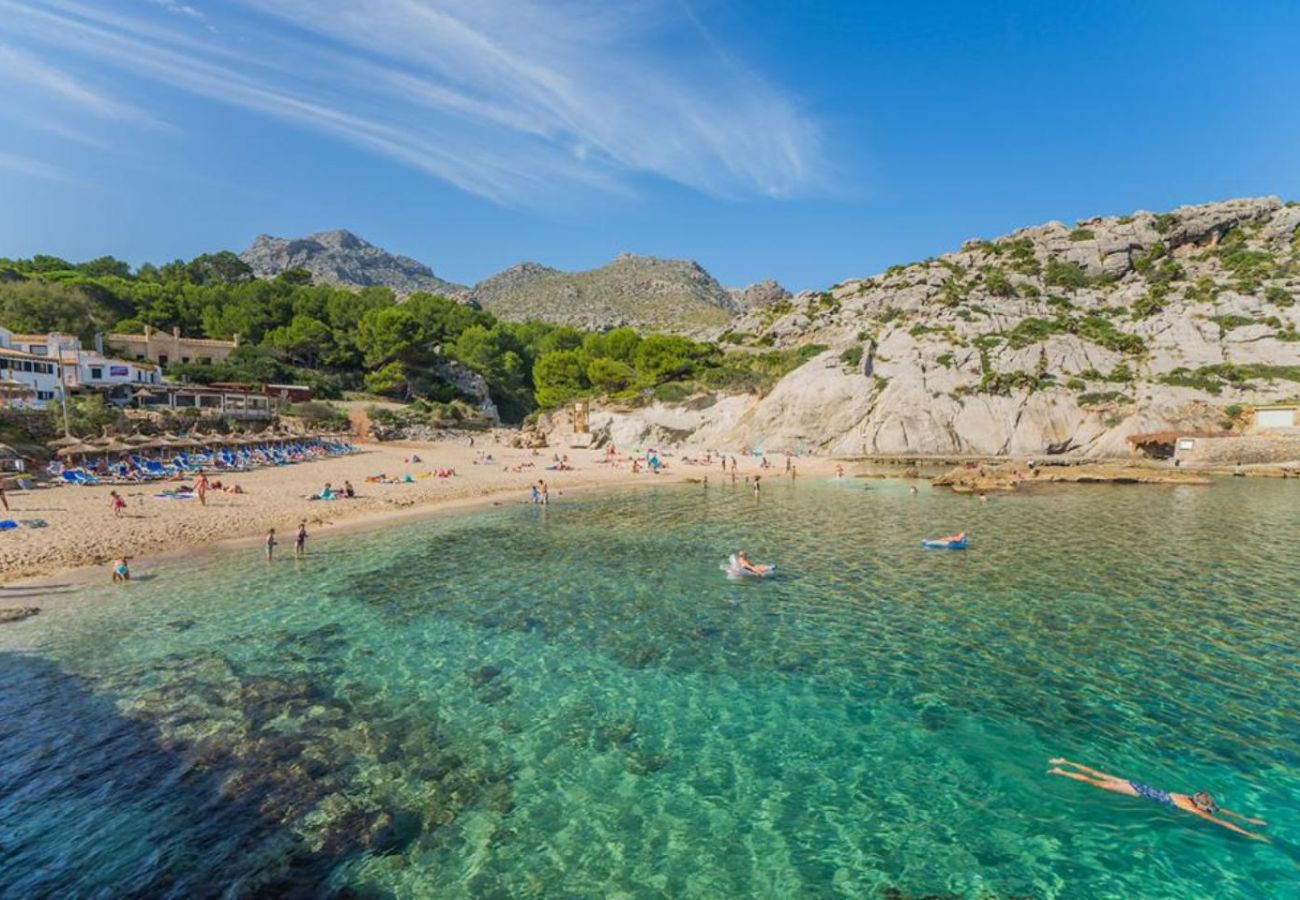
<point x="180" y="9"/>
<point x="511" y="99"/>
<point x="31" y="167"/>
<point x="22" y="67"/>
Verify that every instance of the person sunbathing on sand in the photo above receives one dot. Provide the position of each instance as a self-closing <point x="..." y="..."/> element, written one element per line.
<point x="1198" y="804"/>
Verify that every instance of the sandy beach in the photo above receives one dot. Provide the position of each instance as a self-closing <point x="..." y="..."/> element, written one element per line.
<point x="82" y="530"/>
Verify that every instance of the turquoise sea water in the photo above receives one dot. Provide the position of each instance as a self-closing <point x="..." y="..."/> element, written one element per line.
<point x="573" y="701"/>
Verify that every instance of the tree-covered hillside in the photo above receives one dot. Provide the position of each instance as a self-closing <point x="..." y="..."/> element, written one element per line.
<point x="338" y="339"/>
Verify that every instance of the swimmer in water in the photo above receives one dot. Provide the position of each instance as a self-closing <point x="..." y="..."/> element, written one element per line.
<point x="1198" y="804"/>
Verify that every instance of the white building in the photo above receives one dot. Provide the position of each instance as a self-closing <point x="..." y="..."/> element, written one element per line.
<point x="88" y="369"/>
<point x="35" y="371"/>
<point x="83" y="370"/>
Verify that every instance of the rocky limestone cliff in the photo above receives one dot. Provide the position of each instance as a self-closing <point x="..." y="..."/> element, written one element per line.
<point x="340" y="257"/>
<point x="758" y="295"/>
<point x="1050" y="340"/>
<point x="670" y="295"/>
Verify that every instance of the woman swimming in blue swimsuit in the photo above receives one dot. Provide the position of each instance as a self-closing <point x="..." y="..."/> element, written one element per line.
<point x="1198" y="804"/>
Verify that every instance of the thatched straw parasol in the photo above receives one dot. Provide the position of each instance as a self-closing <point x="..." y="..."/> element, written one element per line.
<point x="65" y="441"/>
<point x="77" y="449"/>
<point x="13" y="388"/>
<point x="139" y="440"/>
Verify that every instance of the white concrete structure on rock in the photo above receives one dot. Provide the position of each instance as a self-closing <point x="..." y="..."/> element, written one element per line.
<point x="1277" y="417"/>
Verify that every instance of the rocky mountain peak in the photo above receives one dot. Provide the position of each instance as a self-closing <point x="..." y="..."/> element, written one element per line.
<point x="340" y="257"/>
<point x="672" y="295"/>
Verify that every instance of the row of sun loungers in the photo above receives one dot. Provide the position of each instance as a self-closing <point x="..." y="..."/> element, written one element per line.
<point x="142" y="467"/>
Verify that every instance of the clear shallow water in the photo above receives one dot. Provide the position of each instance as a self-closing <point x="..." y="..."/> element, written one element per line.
<point x="573" y="701"/>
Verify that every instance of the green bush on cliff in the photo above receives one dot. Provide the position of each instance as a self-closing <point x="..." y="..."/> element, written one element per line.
<point x="997" y="283"/>
<point x="1279" y="297"/>
<point x="1065" y="274"/>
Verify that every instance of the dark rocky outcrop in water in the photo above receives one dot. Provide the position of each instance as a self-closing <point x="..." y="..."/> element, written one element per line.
<point x="17" y="613"/>
<point x="273" y="780"/>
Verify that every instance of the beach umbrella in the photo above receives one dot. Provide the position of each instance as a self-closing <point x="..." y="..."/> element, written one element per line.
<point x="65" y="441"/>
<point x="12" y="388"/>
<point x="113" y="445"/>
<point x="7" y="452"/>
<point x="77" y="449"/>
<point x="139" y="439"/>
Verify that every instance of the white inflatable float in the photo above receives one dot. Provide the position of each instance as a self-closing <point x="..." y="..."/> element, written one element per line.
<point x="735" y="570"/>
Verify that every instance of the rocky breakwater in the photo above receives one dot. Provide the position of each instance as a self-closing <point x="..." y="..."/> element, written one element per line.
<point x="1053" y="340"/>
<point x="1008" y="477"/>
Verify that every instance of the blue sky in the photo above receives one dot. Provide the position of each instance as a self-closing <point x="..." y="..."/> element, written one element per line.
<point x="804" y="140"/>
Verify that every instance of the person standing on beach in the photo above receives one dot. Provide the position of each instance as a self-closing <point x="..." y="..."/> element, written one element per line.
<point x="201" y="488"/>
<point x="270" y="544"/>
<point x="546" y="493"/>
<point x="300" y="541"/>
<point x="756" y="478"/>
<point x="115" y="500"/>
<point x="3" y="499"/>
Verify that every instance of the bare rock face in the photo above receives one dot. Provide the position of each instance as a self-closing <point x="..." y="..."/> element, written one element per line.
<point x="758" y="295"/>
<point x="340" y="257"/>
<point x="1053" y="339"/>
<point x="471" y="385"/>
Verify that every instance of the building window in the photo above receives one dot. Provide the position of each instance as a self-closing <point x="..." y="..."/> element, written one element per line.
<point x="38" y="350"/>
<point x="185" y="360"/>
<point x="205" y="360"/>
<point x="162" y="359"/>
<point x="45" y="395"/>
<point x="96" y="372"/>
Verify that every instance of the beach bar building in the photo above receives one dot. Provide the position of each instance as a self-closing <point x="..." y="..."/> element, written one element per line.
<point x="224" y="402"/>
